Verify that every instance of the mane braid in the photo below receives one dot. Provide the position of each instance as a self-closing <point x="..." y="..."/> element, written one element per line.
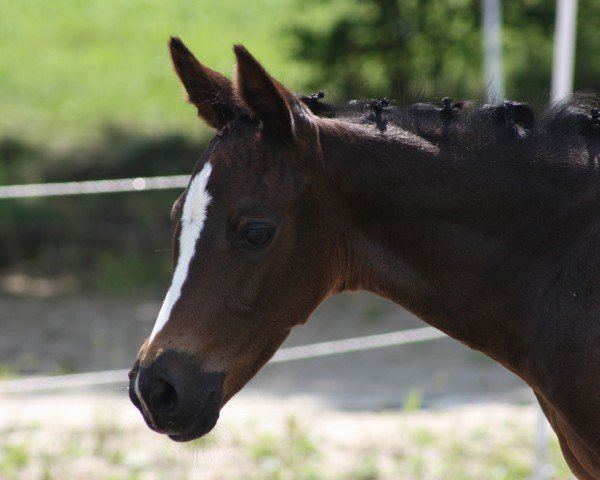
<point x="568" y="133"/>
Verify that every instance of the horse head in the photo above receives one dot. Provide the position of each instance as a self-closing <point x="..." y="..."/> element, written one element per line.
<point x="253" y="248"/>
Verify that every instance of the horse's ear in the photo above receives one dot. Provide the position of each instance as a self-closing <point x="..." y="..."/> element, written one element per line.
<point x="266" y="98"/>
<point x="209" y="91"/>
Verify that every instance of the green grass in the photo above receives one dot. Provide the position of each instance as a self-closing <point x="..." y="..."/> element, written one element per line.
<point x="413" y="400"/>
<point x="13" y="459"/>
<point x="423" y="446"/>
<point x="7" y="371"/>
<point x="292" y="455"/>
<point x="70" y="67"/>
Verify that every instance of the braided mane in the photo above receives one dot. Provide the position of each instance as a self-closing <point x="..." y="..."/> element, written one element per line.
<point x="566" y="133"/>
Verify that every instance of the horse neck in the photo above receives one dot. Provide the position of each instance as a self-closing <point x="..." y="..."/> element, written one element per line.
<point x="440" y="236"/>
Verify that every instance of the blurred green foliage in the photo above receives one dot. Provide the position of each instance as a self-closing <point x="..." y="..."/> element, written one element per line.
<point x="395" y="48"/>
<point x="112" y="239"/>
<point x="414" y="49"/>
<point x="87" y="91"/>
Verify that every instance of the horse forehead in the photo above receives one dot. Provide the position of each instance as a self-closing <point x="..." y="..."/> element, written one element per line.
<point x="249" y="150"/>
<point x="250" y="168"/>
<point x="258" y="177"/>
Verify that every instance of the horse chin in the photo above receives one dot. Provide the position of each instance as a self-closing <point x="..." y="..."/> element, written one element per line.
<point x="202" y="424"/>
<point x="198" y="428"/>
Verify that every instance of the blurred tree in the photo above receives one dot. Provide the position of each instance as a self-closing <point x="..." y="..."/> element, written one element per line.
<point x="398" y="48"/>
<point x="429" y="48"/>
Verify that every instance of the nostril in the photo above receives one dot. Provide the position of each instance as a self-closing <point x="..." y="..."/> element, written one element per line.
<point x="163" y="398"/>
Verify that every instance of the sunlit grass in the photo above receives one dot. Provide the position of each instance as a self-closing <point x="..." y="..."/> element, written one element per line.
<point x="68" y="68"/>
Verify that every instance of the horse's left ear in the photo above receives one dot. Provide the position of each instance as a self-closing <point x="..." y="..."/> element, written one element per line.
<point x="266" y="98"/>
<point x="209" y="91"/>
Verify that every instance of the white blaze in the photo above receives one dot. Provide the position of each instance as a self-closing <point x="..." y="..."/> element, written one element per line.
<point x="192" y="222"/>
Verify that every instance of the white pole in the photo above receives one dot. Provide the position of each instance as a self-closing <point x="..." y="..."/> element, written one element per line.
<point x="562" y="87"/>
<point x="564" y="50"/>
<point x="492" y="51"/>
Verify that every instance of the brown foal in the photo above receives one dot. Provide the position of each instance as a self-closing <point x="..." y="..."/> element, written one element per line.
<point x="483" y="221"/>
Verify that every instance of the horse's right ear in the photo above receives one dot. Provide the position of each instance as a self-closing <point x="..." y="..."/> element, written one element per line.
<point x="209" y="91"/>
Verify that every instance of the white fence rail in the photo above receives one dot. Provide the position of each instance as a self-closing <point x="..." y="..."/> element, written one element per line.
<point x="302" y="352"/>
<point x="93" y="187"/>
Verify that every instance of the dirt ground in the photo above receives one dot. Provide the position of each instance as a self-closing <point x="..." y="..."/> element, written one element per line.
<point x="86" y="333"/>
<point x="433" y="410"/>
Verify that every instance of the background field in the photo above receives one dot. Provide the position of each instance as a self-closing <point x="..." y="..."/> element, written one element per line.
<point x="71" y="69"/>
<point x="87" y="91"/>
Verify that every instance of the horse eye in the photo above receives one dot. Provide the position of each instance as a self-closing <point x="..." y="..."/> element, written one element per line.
<point x="258" y="233"/>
